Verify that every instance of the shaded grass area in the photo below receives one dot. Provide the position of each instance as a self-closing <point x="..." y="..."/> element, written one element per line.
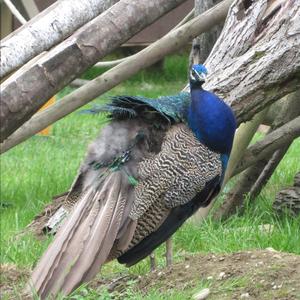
<point x="42" y="167"/>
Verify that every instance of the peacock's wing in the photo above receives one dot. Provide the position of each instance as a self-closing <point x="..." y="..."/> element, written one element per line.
<point x="171" y="108"/>
<point x="182" y="177"/>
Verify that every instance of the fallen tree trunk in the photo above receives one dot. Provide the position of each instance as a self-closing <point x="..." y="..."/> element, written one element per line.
<point x="47" y="29"/>
<point x="168" y="44"/>
<point x="273" y="141"/>
<point x="29" y="88"/>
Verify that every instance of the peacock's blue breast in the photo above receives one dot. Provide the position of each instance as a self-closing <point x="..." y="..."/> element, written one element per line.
<point x="212" y="121"/>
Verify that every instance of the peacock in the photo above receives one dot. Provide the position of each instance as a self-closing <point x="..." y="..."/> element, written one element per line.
<point x="151" y="168"/>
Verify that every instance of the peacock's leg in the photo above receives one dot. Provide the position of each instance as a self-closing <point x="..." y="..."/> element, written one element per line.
<point x="169" y="256"/>
<point x="169" y="252"/>
<point x="152" y="262"/>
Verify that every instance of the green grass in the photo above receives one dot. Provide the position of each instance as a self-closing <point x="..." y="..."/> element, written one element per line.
<point x="42" y="167"/>
<point x="174" y="69"/>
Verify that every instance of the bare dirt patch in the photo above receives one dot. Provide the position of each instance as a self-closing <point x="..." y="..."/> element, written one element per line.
<point x="11" y="280"/>
<point x="258" y="274"/>
<point x="264" y="274"/>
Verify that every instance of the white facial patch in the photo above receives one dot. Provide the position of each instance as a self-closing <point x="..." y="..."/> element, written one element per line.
<point x="192" y="76"/>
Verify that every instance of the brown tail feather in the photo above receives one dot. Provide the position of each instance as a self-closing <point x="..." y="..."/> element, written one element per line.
<point x="83" y="244"/>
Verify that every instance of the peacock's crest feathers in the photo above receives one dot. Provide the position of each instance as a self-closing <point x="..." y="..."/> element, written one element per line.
<point x="172" y="108"/>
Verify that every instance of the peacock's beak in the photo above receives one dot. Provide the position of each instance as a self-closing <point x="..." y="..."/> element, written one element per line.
<point x="203" y="77"/>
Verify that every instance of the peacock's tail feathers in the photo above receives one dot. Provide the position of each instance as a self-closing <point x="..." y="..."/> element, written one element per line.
<point x="173" y="109"/>
<point x="98" y="228"/>
<point x="72" y="196"/>
<point x="84" y="241"/>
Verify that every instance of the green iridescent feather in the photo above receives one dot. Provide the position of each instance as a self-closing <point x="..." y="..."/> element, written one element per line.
<point x="172" y="108"/>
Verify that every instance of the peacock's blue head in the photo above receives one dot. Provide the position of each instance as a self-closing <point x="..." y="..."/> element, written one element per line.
<point x="197" y="75"/>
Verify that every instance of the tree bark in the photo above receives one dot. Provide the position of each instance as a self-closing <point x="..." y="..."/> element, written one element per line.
<point x="28" y="89"/>
<point x="275" y="110"/>
<point x="47" y="29"/>
<point x="203" y="44"/>
<point x="273" y="141"/>
<point x="256" y="60"/>
<point x="168" y="44"/>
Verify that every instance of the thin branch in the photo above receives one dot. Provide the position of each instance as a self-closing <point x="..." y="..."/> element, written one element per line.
<point x="267" y="171"/>
<point x="15" y="11"/>
<point x="273" y="141"/>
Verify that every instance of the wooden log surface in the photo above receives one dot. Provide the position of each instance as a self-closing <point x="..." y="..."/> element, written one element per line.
<point x="288" y="199"/>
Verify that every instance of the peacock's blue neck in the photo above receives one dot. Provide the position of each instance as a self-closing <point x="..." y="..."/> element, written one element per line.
<point x="212" y="122"/>
<point x="224" y="160"/>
